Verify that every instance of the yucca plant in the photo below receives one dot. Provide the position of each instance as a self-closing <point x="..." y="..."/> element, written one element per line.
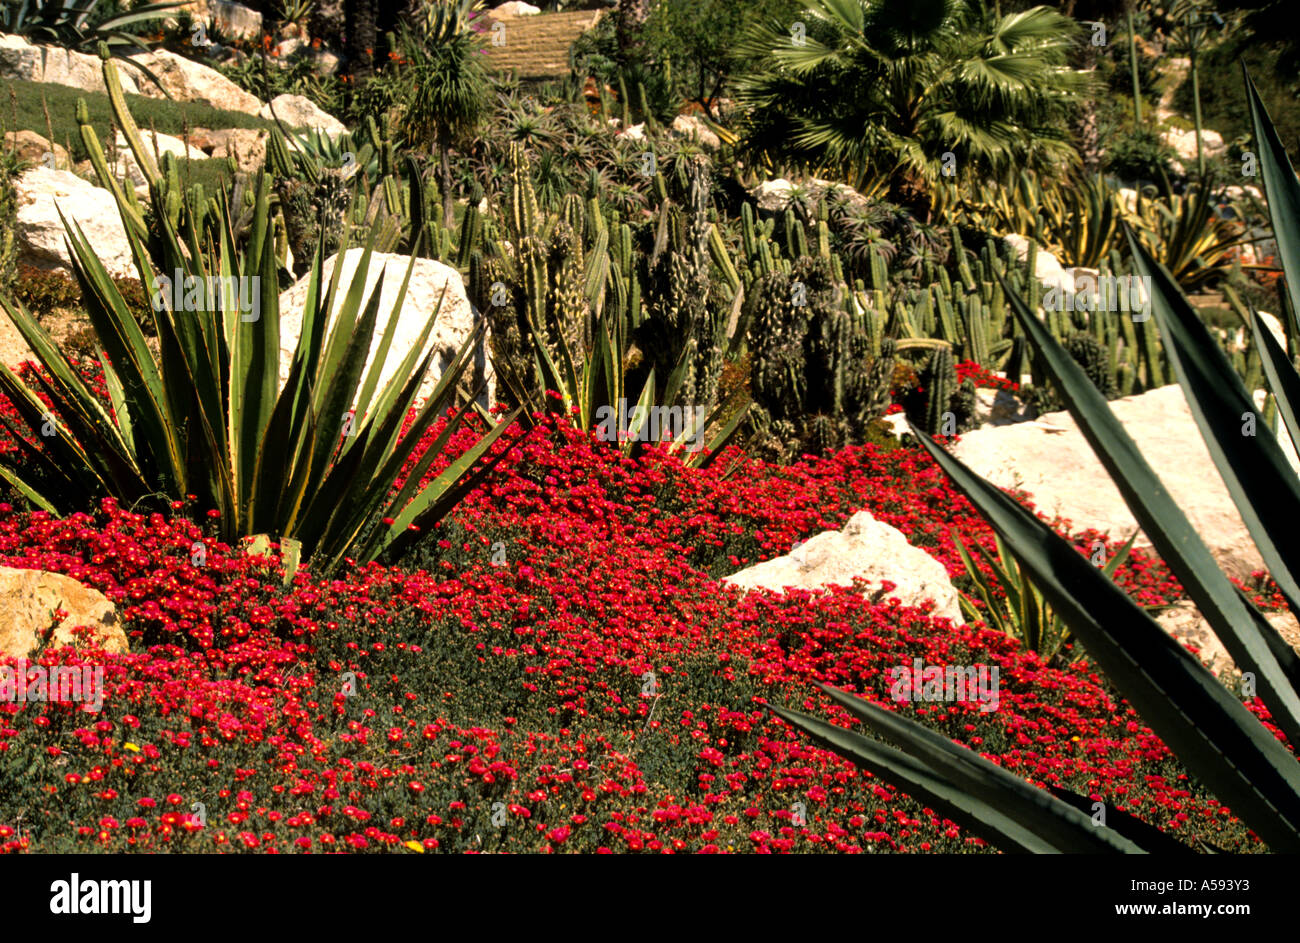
<point x="314" y="463"/>
<point x="1216" y="738"/>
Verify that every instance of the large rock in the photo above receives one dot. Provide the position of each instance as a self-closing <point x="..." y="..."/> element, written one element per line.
<point x="693" y="128"/>
<point x="1047" y="268"/>
<point x="125" y="165"/>
<point x="20" y="59"/>
<point x="1183" y="143"/>
<point x="40" y="234"/>
<point x="234" y="20"/>
<point x="189" y="81"/>
<point x="299" y="112"/>
<point x="865" y="548"/>
<point x="246" y="145"/>
<point x="775" y="195"/>
<point x="28" y="597"/>
<point x="514" y="8"/>
<point x="37" y="149"/>
<point x="1050" y="459"/>
<point x="454" y="323"/>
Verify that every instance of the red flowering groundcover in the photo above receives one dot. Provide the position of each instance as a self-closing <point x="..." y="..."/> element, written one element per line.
<point x="557" y="668"/>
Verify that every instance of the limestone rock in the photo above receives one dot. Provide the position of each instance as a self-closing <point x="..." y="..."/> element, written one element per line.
<point x="125" y="166"/>
<point x="775" y="195"/>
<point x="246" y="145"/>
<point x="299" y="112"/>
<point x="40" y="234"/>
<point x="691" y="127"/>
<point x="514" y="8"/>
<point x="190" y="81"/>
<point x="20" y="59"/>
<point x="866" y="548"/>
<point x="28" y="599"/>
<point x="234" y="20"/>
<point x="1050" y="459"/>
<point x="454" y="323"/>
<point x="35" y="148"/>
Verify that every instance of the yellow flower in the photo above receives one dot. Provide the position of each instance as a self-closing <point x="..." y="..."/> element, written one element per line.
<point x="132" y="747"/>
<point x="415" y="846"/>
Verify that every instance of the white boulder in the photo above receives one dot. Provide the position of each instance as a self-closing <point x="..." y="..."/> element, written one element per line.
<point x="1050" y="459"/>
<point x="40" y="234"/>
<point x="20" y="59"/>
<point x="125" y="165"/>
<point x="865" y="548"/>
<point x="189" y="81"/>
<point x="693" y="128"/>
<point x="454" y="323"/>
<point x="297" y="111"/>
<point x="514" y="8"/>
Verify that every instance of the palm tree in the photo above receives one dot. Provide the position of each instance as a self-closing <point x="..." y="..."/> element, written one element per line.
<point x="881" y="88"/>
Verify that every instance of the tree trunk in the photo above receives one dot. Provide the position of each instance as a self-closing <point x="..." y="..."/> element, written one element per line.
<point x="328" y="23"/>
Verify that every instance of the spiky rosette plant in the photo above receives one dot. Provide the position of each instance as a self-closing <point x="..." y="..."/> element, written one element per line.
<point x="313" y="461"/>
<point x="1218" y="740"/>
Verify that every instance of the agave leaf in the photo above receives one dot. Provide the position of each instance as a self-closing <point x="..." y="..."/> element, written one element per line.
<point x="1282" y="190"/>
<point x="1148" y="837"/>
<point x="982" y="797"/>
<point x="1155" y="509"/>
<point x="1213" y="734"/>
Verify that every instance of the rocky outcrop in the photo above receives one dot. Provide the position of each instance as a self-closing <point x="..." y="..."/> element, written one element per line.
<point x="1050" y="459"/>
<point x="454" y="323"/>
<point x="694" y="129"/>
<point x="189" y="81"/>
<point x="299" y="112"/>
<point x="37" y="149"/>
<point x="29" y="599"/>
<point x="775" y="195"/>
<point x="246" y="145"/>
<point x="40" y="234"/>
<point x="20" y="59"/>
<point x="865" y="548"/>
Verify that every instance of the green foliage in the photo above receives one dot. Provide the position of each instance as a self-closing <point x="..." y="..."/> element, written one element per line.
<point x="9" y="168"/>
<point x="313" y="463"/>
<point x="1219" y="741"/>
<point x="817" y="378"/>
<point x="76" y="25"/>
<point x="884" y="89"/>
<point x="1088" y="353"/>
<point x="159" y="114"/>
<point x="1139" y="155"/>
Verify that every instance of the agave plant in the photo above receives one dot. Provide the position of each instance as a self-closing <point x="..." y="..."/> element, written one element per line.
<point x="1217" y="739"/>
<point x="1186" y="236"/>
<point x="314" y="461"/>
<point x="1022" y="611"/>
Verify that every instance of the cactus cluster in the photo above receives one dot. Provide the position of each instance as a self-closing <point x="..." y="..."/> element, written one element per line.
<point x="817" y="376"/>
